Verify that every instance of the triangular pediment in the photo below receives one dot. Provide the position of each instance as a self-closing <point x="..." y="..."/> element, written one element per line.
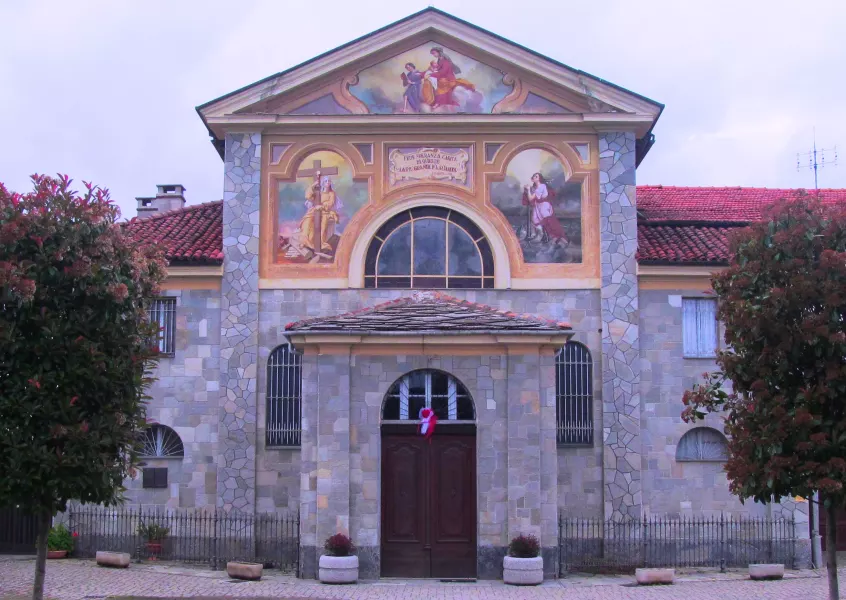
<point x="431" y="63"/>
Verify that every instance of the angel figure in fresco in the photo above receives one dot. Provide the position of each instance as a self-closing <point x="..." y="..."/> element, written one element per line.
<point x="542" y="222"/>
<point x="445" y="73"/>
<point x="412" y="81"/>
<point x="317" y="227"/>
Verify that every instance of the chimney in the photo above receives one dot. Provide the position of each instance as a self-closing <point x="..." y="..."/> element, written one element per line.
<point x="168" y="197"/>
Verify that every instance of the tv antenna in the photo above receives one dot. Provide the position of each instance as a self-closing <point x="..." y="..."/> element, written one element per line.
<point x="816" y="159"/>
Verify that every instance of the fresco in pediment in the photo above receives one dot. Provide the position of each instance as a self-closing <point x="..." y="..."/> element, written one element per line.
<point x="543" y="208"/>
<point x="430" y="79"/>
<point x="316" y="208"/>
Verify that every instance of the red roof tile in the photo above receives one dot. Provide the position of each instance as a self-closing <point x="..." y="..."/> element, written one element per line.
<point x="728" y="204"/>
<point x="192" y="235"/>
<point x="428" y="312"/>
<point x="676" y="225"/>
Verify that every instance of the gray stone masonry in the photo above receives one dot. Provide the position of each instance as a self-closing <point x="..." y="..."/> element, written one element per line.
<point x="236" y="481"/>
<point x="620" y="343"/>
<point x="185" y="397"/>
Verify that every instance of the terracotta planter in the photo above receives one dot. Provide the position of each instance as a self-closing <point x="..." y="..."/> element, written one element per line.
<point x="522" y="571"/>
<point x="338" y="569"/>
<point x="154" y="549"/>
<point x="57" y="553"/>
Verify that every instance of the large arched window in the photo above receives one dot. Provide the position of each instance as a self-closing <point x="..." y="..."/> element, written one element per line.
<point x="429" y="247"/>
<point x="283" y="419"/>
<point x="428" y="388"/>
<point x="161" y="441"/>
<point x="702" y="444"/>
<point x="574" y="395"/>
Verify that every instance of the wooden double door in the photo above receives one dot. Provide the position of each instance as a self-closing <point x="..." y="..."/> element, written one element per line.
<point x="429" y="502"/>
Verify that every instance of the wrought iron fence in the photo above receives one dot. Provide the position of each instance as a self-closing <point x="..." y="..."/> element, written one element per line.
<point x="193" y="535"/>
<point x="594" y="545"/>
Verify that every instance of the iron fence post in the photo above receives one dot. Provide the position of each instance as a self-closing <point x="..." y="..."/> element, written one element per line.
<point x="214" y="542"/>
<point x="722" y="542"/>
<point x="793" y="541"/>
<point x="645" y="552"/>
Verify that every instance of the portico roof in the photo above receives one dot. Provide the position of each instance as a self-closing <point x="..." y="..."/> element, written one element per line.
<point x="428" y="313"/>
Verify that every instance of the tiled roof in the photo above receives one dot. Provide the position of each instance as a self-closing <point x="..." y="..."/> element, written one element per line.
<point x="676" y="225"/>
<point x="428" y="312"/>
<point x="192" y="235"/>
<point x="736" y="204"/>
<point x="683" y="244"/>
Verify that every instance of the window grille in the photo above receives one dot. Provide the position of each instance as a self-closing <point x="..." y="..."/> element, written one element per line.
<point x="163" y="313"/>
<point x="284" y="398"/>
<point x="702" y="444"/>
<point x="427" y="388"/>
<point x="162" y="442"/>
<point x="699" y="327"/>
<point x="574" y="395"/>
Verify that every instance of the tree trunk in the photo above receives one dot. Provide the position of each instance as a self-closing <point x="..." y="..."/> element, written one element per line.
<point x="831" y="551"/>
<point x="44" y="520"/>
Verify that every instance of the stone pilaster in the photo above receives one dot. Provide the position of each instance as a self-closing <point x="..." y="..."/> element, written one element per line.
<point x="524" y="446"/>
<point x="548" y="465"/>
<point x="620" y="327"/>
<point x="239" y="317"/>
<point x="325" y="487"/>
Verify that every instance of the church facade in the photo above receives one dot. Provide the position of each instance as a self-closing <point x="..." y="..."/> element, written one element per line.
<point x="434" y="310"/>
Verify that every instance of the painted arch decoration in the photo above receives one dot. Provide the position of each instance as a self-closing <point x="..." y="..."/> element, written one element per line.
<point x="542" y="206"/>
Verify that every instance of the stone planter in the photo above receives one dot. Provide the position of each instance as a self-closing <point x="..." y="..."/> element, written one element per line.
<point x="338" y="569"/>
<point x="522" y="571"/>
<point x="57" y="553"/>
<point x="244" y="570"/>
<point x="655" y="576"/>
<point x="113" y="559"/>
<point x="766" y="571"/>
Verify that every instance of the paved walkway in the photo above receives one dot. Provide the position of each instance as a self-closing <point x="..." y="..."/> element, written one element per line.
<point x="79" y="580"/>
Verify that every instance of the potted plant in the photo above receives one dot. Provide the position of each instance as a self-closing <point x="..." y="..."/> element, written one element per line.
<point x="524" y="564"/>
<point x="339" y="564"/>
<point x="59" y="542"/>
<point x="153" y="533"/>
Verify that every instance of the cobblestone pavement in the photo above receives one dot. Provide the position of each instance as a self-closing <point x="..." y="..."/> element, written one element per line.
<point x="78" y="580"/>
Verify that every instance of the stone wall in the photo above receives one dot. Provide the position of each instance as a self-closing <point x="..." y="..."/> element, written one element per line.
<point x="239" y="317"/>
<point x="185" y="397"/>
<point x="620" y="343"/>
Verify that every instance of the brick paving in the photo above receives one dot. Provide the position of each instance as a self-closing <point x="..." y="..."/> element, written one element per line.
<point x="79" y="580"/>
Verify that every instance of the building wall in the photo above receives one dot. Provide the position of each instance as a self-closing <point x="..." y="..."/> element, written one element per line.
<point x="185" y="397"/>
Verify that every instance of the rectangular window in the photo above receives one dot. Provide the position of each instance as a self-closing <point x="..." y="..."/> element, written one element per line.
<point x="163" y="313"/>
<point x="284" y="398"/>
<point x="574" y="395"/>
<point x="155" y="477"/>
<point x="699" y="327"/>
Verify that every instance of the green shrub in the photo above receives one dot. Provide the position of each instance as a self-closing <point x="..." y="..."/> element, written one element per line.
<point x="60" y="538"/>
<point x="524" y="546"/>
<point x="153" y="532"/>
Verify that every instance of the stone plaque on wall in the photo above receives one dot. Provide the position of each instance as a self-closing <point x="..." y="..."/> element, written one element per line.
<point x="420" y="164"/>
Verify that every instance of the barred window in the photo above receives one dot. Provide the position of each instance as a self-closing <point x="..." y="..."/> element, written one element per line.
<point x="427" y="388"/>
<point x="163" y="313"/>
<point x="161" y="441"/>
<point x="699" y="327"/>
<point x="702" y="444"/>
<point x="574" y="395"/>
<point x="284" y="397"/>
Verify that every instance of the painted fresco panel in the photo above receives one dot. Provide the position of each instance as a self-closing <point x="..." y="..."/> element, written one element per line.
<point x="430" y="79"/>
<point x="542" y="206"/>
<point x="316" y="208"/>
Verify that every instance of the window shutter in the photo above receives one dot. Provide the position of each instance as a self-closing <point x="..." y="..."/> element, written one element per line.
<point x="699" y="327"/>
<point x="155" y="477"/>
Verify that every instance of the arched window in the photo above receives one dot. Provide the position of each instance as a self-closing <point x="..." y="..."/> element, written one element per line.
<point x="429" y="247"/>
<point x="702" y="444"/>
<point x="428" y="388"/>
<point x="574" y="395"/>
<point x="161" y="441"/>
<point x="283" y="421"/>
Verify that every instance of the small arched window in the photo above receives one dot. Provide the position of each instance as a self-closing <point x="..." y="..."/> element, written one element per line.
<point x="702" y="444"/>
<point x="283" y="419"/>
<point x="427" y="388"/>
<point x="574" y="395"/>
<point x="429" y="247"/>
<point x="161" y="441"/>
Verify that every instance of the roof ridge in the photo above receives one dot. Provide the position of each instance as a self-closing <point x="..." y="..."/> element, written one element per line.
<point x="170" y="213"/>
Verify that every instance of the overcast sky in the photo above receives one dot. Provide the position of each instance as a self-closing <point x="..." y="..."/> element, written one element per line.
<point x="105" y="91"/>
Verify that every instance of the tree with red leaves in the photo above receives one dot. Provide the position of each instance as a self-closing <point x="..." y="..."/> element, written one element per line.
<point x="782" y="379"/>
<point x="75" y="350"/>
